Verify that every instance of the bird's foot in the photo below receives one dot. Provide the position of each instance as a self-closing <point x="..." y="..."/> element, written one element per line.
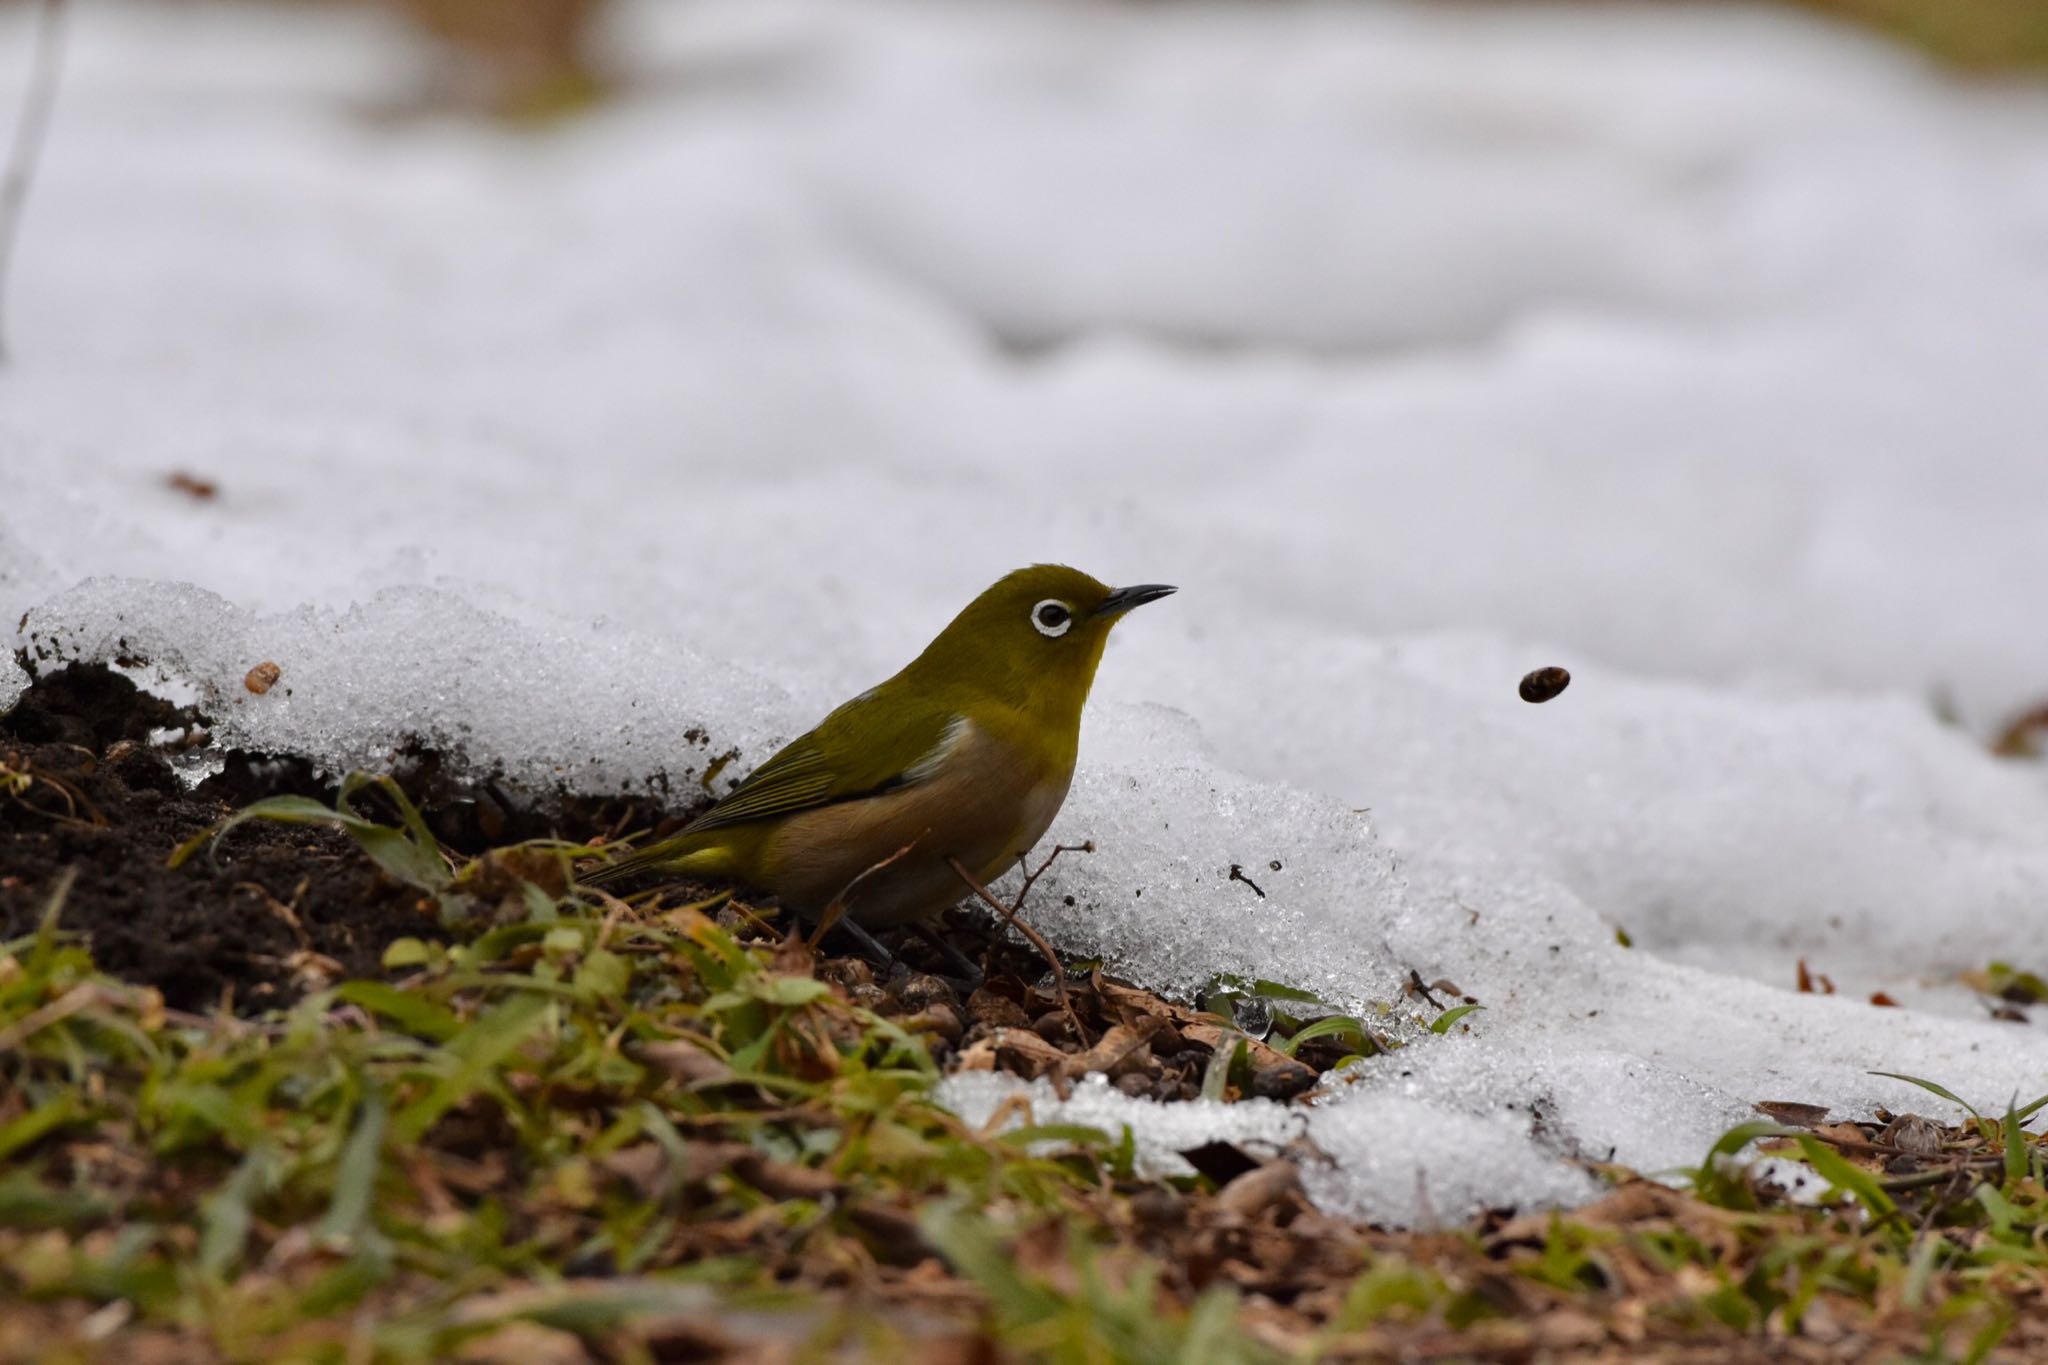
<point x="970" y="974"/>
<point x="866" y="944"/>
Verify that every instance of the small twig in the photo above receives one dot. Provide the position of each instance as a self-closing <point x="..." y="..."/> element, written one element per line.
<point x="287" y="913"/>
<point x="614" y="912"/>
<point x="1009" y="915"/>
<point x="1237" y="875"/>
<point x="1921" y="1179"/>
<point x="1416" y="984"/>
<point x="1017" y="1102"/>
<point x="745" y="912"/>
<point x="1031" y="877"/>
<point x="618" y="827"/>
<point x="836" y="907"/>
<point x="30" y="130"/>
<point x="226" y="1023"/>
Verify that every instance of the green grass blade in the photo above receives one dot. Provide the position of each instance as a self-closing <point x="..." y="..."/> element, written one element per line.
<point x="224" y="1228"/>
<point x="355" y="1178"/>
<point x="411" y="854"/>
<point x="1713" y="1184"/>
<point x="1851" y="1180"/>
<point x="1442" y="1023"/>
<point x="46" y="927"/>
<point x="37" y="1123"/>
<point x="1216" y="1077"/>
<point x="2016" y="1162"/>
<point x="479" y="1048"/>
<point x="414" y="1013"/>
<point x="284" y="810"/>
<point x="1324" y="1028"/>
<point x="1920" y="1269"/>
<point x="1931" y="1088"/>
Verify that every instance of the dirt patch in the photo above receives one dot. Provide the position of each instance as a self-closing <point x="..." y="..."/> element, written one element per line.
<point x="276" y="910"/>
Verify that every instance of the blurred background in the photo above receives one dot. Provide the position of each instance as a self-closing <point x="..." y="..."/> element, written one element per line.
<point x="538" y="58"/>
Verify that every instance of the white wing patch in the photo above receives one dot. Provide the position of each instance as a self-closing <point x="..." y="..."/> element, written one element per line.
<point x="956" y="734"/>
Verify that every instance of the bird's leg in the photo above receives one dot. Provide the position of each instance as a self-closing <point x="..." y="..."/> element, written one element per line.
<point x="971" y="975"/>
<point x="870" y="947"/>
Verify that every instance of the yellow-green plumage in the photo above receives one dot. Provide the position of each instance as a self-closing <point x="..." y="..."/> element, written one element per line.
<point x="967" y="753"/>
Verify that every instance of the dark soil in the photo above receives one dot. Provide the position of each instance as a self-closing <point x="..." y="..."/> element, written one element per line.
<point x="274" y="910"/>
<point x="279" y="908"/>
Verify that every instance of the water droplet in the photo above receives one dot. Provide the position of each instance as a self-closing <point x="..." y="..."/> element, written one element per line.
<point x="1253" y="1014"/>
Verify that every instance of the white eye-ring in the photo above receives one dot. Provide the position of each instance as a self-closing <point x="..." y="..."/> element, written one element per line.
<point x="1052" y="617"/>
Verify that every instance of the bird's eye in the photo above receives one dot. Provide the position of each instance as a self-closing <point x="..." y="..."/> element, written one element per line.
<point x="1052" y="617"/>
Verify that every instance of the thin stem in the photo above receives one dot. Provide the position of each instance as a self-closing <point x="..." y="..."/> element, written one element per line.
<point x="1009" y="914"/>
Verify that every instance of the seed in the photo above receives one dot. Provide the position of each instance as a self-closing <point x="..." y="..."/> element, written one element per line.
<point x="1544" y="683"/>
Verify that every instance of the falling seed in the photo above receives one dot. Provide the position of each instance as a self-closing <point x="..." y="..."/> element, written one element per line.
<point x="191" y="485"/>
<point x="1544" y="683"/>
<point x="262" y="677"/>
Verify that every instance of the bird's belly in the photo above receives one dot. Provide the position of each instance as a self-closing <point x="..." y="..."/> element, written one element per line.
<point x="986" y="807"/>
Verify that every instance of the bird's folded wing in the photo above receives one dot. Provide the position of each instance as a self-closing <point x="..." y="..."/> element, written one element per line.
<point x="857" y="751"/>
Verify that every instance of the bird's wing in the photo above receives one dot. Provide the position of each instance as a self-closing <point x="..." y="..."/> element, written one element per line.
<point x="854" y="752"/>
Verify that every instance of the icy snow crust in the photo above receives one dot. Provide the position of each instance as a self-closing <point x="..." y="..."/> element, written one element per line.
<point x="1696" y="350"/>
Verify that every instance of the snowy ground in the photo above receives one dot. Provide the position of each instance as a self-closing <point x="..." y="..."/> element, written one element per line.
<point x="1698" y="350"/>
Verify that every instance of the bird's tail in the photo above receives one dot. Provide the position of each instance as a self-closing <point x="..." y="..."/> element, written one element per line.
<point x="679" y="855"/>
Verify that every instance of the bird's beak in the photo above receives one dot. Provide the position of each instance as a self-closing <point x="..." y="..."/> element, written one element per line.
<point x="1122" y="600"/>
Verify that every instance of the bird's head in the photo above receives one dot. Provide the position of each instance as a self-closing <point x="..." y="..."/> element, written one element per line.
<point x="1034" y="637"/>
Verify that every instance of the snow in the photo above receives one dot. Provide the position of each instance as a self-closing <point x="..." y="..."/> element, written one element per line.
<point x="1696" y="349"/>
<point x="1168" y="1129"/>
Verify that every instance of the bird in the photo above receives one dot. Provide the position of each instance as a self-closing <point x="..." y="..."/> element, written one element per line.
<point x="966" y="754"/>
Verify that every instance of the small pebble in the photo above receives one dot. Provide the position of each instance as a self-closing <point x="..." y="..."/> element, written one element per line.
<point x="921" y="990"/>
<point x="1052" y="1026"/>
<point x="847" y="971"/>
<point x="937" y="1018"/>
<point x="1283" y="1080"/>
<point x="996" y="1011"/>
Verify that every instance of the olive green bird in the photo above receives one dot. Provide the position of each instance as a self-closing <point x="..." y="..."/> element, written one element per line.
<point x="966" y="754"/>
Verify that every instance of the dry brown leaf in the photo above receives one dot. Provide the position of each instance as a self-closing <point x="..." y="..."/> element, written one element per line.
<point x="1024" y="1052"/>
<point x="1792" y="1112"/>
<point x="1123" y="1048"/>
